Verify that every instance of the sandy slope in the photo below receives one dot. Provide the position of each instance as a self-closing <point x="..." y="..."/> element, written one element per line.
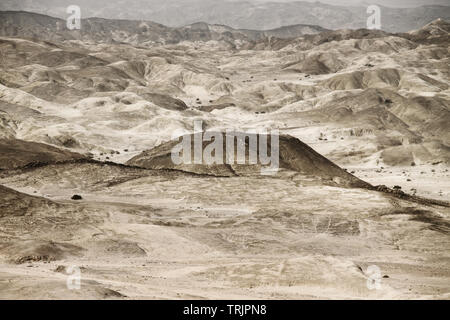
<point x="373" y="103"/>
<point x="150" y="235"/>
<point x="364" y="91"/>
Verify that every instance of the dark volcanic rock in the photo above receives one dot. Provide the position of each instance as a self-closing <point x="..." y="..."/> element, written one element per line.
<point x="294" y="155"/>
<point x="16" y="153"/>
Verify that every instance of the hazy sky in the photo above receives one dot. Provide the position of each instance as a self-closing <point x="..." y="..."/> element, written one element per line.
<point x="387" y="3"/>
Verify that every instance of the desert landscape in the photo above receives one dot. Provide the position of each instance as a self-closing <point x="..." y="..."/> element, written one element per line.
<point x="87" y="125"/>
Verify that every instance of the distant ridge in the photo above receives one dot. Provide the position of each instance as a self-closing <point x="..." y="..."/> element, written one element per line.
<point x="261" y="15"/>
<point x="34" y="25"/>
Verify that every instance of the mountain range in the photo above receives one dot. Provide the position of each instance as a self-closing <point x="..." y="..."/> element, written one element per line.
<point x="258" y="15"/>
<point x="32" y="25"/>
